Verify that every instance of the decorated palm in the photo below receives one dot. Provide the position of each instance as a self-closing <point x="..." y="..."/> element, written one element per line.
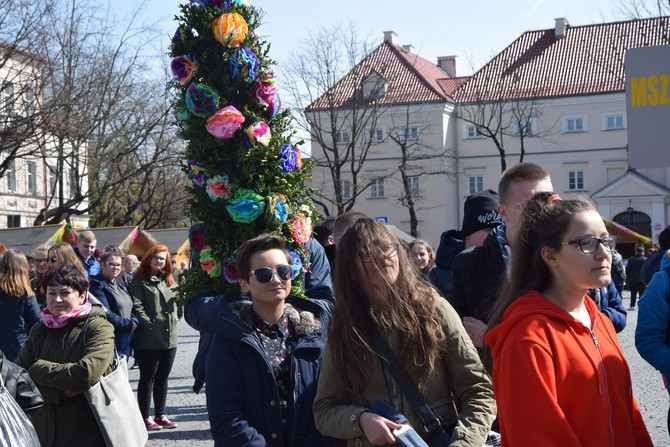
<point x="247" y="177"/>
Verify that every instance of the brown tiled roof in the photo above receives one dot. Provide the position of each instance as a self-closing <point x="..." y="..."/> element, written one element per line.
<point x="409" y="77"/>
<point x="587" y="60"/>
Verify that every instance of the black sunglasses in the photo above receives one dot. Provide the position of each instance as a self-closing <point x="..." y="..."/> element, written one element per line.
<point x="264" y="274"/>
<point x="53" y="260"/>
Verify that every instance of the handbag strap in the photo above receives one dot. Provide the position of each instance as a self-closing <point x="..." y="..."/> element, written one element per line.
<point x="431" y="423"/>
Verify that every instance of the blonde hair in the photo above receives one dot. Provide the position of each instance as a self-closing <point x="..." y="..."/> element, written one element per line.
<point x="14" y="276"/>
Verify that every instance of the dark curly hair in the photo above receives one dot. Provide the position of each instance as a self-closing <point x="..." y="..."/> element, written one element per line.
<point x="67" y="275"/>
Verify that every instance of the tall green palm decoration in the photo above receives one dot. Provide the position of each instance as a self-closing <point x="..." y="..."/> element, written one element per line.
<point x="247" y="178"/>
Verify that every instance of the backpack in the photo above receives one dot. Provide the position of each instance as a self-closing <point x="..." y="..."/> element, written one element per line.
<point x="618" y="272"/>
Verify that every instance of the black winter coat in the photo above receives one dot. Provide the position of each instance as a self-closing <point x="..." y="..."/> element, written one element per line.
<point x="20" y="386"/>
<point x="476" y="279"/>
<point x="450" y="246"/>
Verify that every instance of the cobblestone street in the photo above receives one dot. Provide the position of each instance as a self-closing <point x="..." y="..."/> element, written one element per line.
<point x="189" y="411"/>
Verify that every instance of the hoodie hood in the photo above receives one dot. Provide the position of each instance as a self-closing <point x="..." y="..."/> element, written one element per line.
<point x="665" y="261"/>
<point x="451" y="244"/>
<point x="533" y="303"/>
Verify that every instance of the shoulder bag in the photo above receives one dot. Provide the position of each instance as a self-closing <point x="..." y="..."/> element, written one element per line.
<point x="16" y="430"/>
<point x="115" y="408"/>
<point x="439" y="434"/>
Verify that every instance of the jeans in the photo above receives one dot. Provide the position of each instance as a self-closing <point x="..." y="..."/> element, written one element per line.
<point x="155" y="366"/>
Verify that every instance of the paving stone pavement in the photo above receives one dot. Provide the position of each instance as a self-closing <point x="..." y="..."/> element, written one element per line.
<point x="189" y="409"/>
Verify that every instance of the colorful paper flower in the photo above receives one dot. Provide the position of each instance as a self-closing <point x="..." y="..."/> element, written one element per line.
<point x="177" y="36"/>
<point x="197" y="172"/>
<point x="218" y="187"/>
<point x="225" y="122"/>
<point x="266" y="93"/>
<point x="230" y="29"/>
<point x="296" y="261"/>
<point x="208" y="263"/>
<point x="230" y="272"/>
<point x="277" y="210"/>
<point x="244" y="64"/>
<point x="184" y="68"/>
<point x="201" y="100"/>
<point x="290" y="159"/>
<point x="196" y="235"/>
<point x="301" y="228"/>
<point x="259" y="132"/>
<point x="246" y="206"/>
<point x="180" y="116"/>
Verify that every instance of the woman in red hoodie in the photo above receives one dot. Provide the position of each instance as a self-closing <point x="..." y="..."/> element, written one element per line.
<point x="559" y="375"/>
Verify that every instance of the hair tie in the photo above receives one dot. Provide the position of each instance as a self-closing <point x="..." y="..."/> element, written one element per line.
<point x="554" y="197"/>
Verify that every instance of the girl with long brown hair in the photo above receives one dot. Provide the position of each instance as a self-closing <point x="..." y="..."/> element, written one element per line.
<point x="156" y="335"/>
<point x="19" y="310"/>
<point x="378" y="289"/>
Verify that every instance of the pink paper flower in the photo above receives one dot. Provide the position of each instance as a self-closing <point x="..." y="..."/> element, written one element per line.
<point x="266" y="93"/>
<point x="302" y="228"/>
<point x="218" y="187"/>
<point x="259" y="132"/>
<point x="225" y="122"/>
<point x="230" y="29"/>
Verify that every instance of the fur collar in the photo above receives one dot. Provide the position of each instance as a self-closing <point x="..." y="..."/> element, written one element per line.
<point x="304" y="322"/>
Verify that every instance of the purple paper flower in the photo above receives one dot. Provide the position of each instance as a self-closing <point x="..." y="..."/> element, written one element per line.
<point x="230" y="272"/>
<point x="296" y="261"/>
<point x="201" y="100"/>
<point x="244" y="64"/>
<point x="265" y="92"/>
<point x="197" y="172"/>
<point x="184" y="68"/>
<point x="196" y="235"/>
<point x="290" y="159"/>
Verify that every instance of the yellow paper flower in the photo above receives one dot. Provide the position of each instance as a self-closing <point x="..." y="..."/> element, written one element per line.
<point x="230" y="29"/>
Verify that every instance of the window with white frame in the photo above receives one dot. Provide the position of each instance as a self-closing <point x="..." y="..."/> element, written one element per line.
<point x="376" y="190"/>
<point x="408" y="133"/>
<point x="574" y="124"/>
<point x="575" y="180"/>
<point x="527" y="129"/>
<point x="13" y="221"/>
<point x="472" y="131"/>
<point x="10" y="176"/>
<point x="346" y="189"/>
<point x="614" y="122"/>
<point x="374" y="87"/>
<point x="377" y="135"/>
<point x="29" y="101"/>
<point x="475" y="184"/>
<point x="52" y="180"/>
<point x="342" y="137"/>
<point x="413" y="185"/>
<point x="7" y="100"/>
<point x="31" y="178"/>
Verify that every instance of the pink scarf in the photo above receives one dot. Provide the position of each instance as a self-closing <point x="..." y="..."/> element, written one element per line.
<point x="56" y="322"/>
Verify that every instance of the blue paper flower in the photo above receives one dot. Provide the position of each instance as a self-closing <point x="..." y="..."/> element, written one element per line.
<point x="244" y="64"/>
<point x="245" y="206"/>
<point x="296" y="261"/>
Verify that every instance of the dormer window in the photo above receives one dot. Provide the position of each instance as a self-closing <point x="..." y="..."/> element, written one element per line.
<point x="374" y="87"/>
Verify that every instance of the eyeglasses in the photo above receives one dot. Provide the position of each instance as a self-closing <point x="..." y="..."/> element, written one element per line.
<point x="589" y="244"/>
<point x="113" y="265"/>
<point x="53" y="260"/>
<point x="389" y="251"/>
<point x="158" y="258"/>
<point x="264" y="274"/>
<point x="41" y="261"/>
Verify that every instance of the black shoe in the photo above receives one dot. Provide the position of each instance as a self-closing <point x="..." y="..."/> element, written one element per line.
<point x="135" y="365"/>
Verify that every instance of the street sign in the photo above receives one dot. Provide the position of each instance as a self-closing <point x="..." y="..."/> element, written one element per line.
<point x="383" y="219"/>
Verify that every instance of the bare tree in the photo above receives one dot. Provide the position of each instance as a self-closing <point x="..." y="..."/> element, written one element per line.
<point x="339" y="119"/>
<point x="640" y="9"/>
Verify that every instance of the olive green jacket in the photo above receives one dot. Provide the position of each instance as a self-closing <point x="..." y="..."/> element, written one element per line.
<point x="154" y="307"/>
<point x="68" y="359"/>
<point x="335" y="415"/>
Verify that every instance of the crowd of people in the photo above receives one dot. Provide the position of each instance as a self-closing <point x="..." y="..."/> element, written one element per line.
<point x="509" y="327"/>
<point x="64" y="317"/>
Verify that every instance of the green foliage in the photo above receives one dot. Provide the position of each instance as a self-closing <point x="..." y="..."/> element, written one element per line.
<point x="249" y="166"/>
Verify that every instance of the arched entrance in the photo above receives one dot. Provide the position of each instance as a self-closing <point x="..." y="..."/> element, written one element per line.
<point x="635" y="221"/>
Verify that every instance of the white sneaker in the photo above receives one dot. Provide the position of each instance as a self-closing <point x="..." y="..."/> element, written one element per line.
<point x="632" y="308"/>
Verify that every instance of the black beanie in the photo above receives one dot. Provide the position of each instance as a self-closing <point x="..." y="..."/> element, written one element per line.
<point x="480" y="212"/>
<point x="664" y="239"/>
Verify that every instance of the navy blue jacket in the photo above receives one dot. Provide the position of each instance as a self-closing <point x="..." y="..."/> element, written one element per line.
<point x="610" y="304"/>
<point x="451" y="244"/>
<point x="91" y="266"/>
<point x="242" y="394"/>
<point x="17" y="316"/>
<point x="100" y="289"/>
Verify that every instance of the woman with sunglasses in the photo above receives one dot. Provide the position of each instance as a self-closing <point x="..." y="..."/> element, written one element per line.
<point x="115" y="299"/>
<point x="559" y="375"/>
<point x="41" y="261"/>
<point x="156" y="336"/>
<point x="263" y="363"/>
<point x="379" y="290"/>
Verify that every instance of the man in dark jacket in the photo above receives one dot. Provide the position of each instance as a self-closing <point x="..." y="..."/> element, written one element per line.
<point x="610" y="303"/>
<point x="653" y="262"/>
<point x="480" y="215"/>
<point x="634" y="277"/>
<point x="478" y="272"/>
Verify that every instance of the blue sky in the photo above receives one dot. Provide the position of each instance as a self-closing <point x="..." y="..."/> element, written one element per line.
<point x="471" y="30"/>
